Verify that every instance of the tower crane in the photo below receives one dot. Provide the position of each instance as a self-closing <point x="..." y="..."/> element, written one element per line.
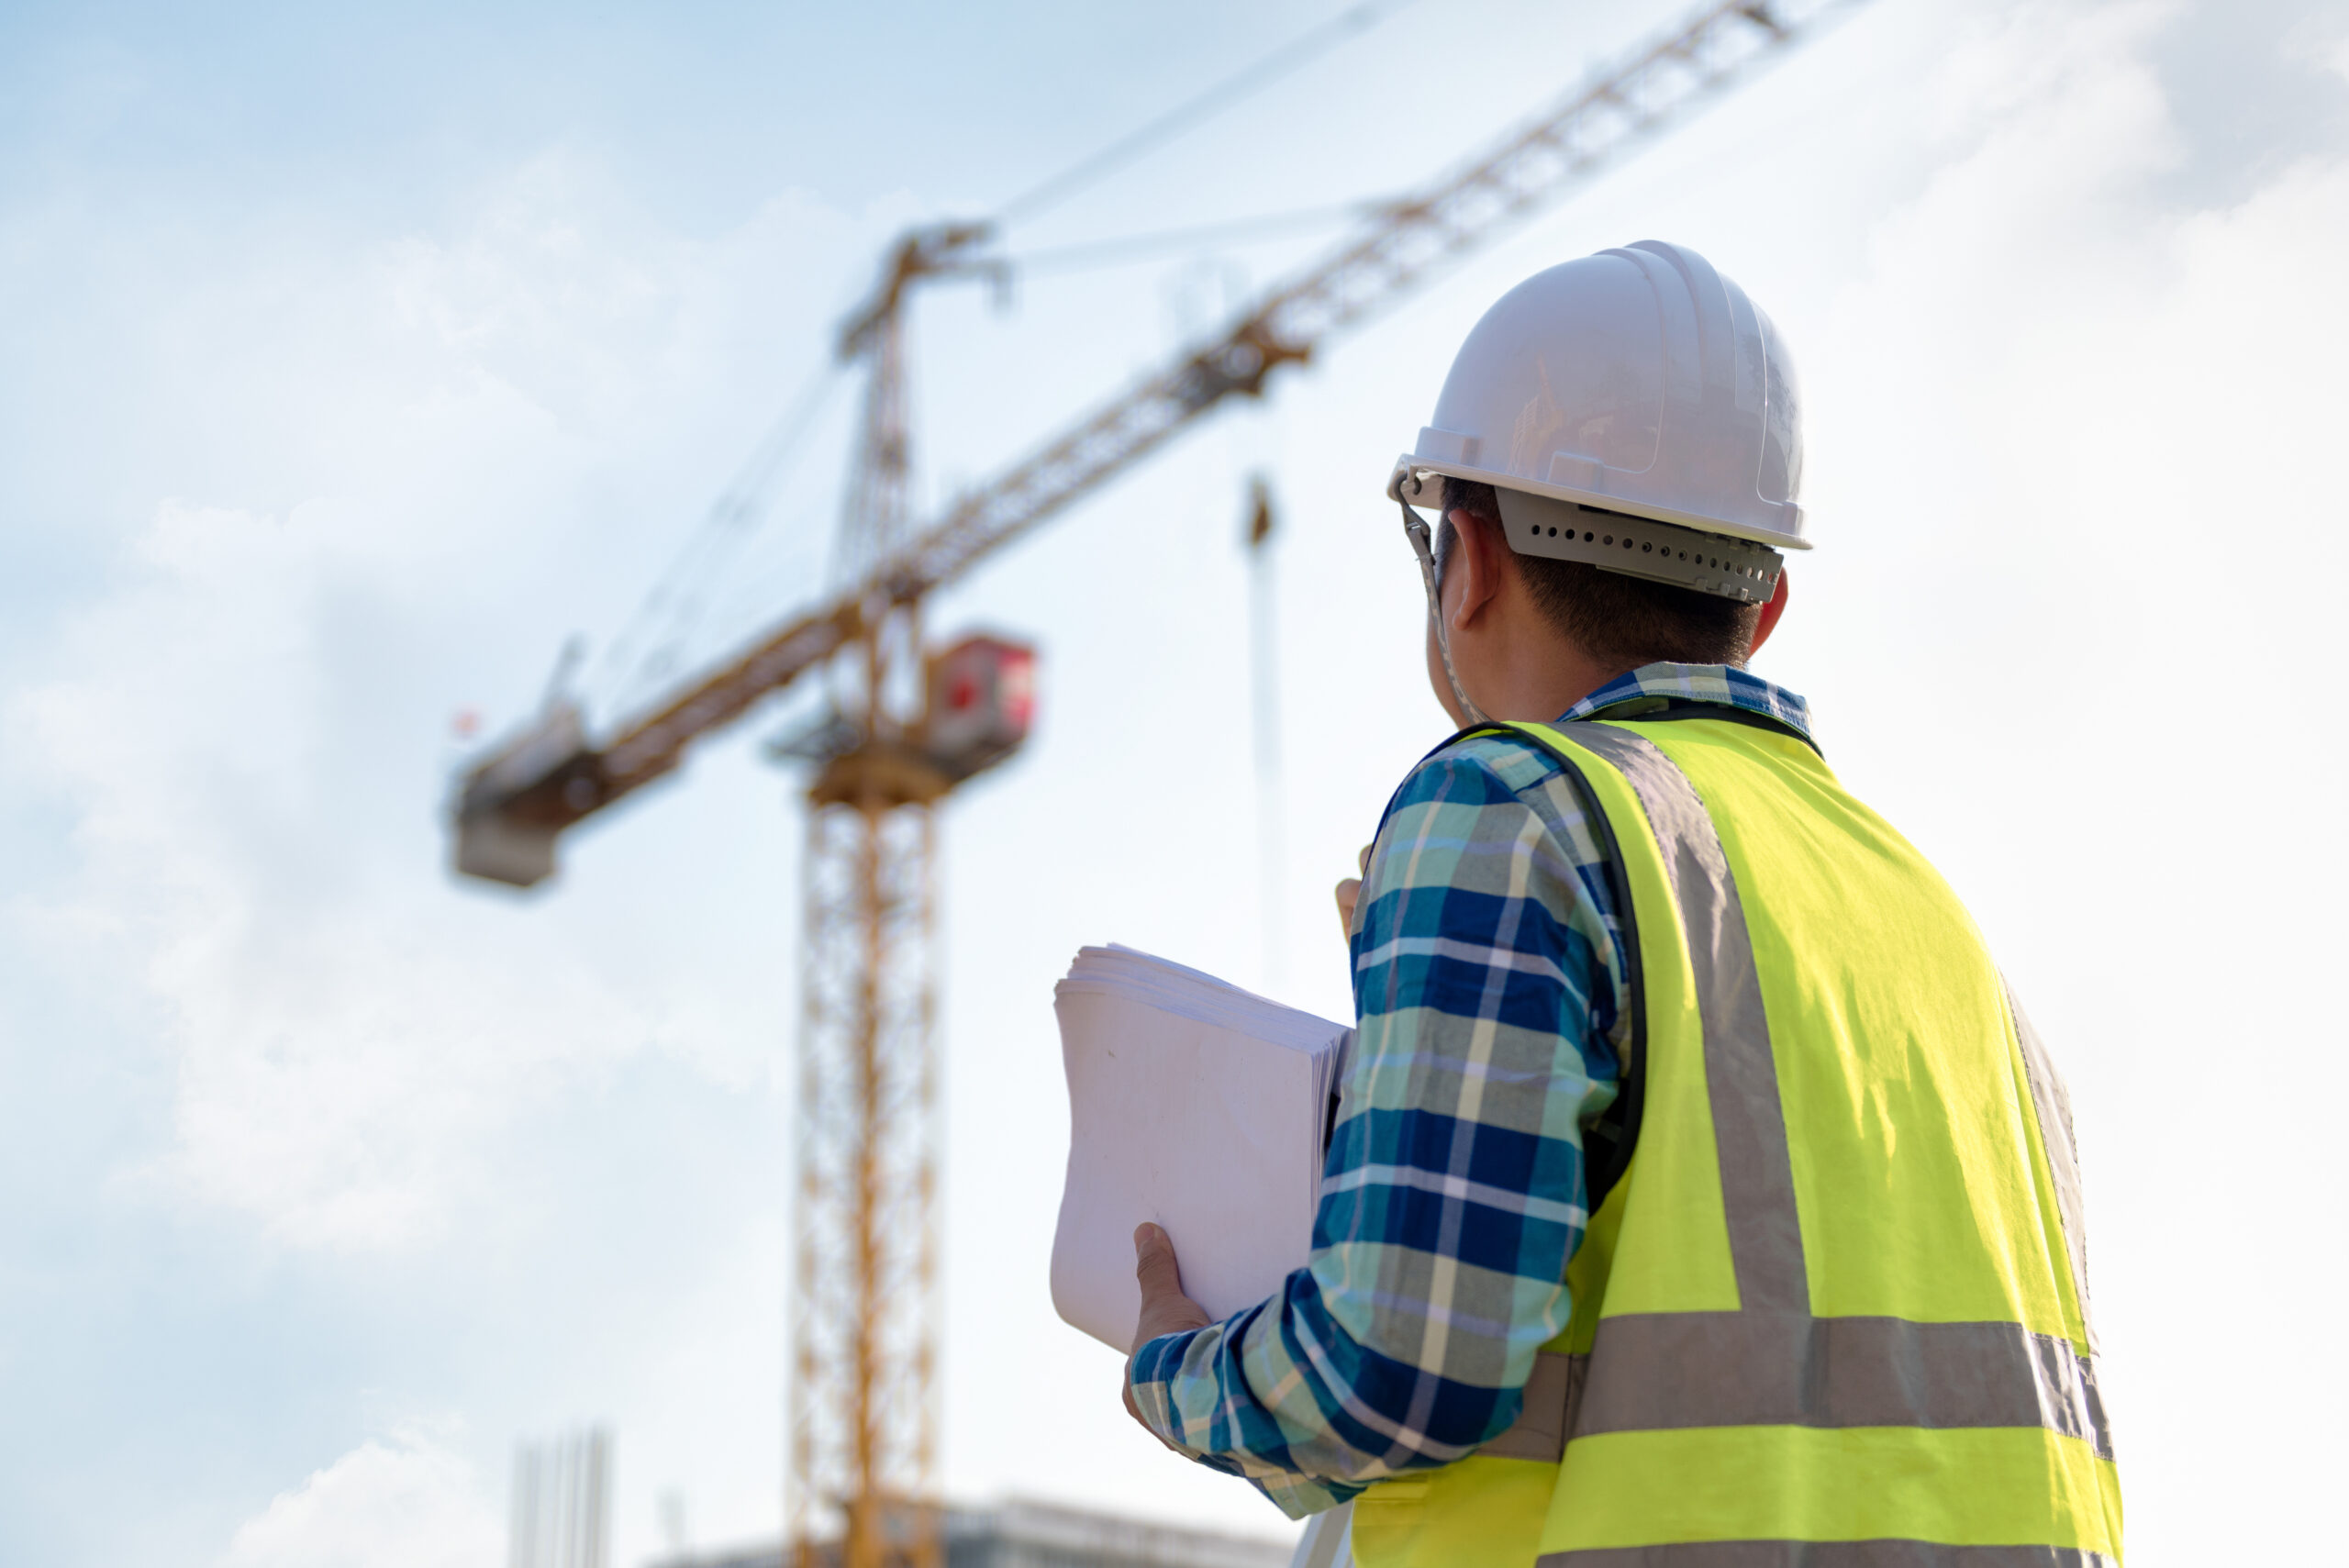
<point x="910" y="725"/>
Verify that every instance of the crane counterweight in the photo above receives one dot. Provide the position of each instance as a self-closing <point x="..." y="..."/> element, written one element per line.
<point x="514" y="802"/>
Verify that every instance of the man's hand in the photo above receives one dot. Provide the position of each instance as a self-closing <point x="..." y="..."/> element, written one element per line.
<point x="1165" y="1309"/>
<point x="1350" y="894"/>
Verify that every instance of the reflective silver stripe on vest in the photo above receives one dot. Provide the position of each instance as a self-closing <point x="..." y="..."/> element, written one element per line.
<point x="1551" y="1397"/>
<point x="1665" y="1370"/>
<point x="2054" y="1104"/>
<point x="1740" y="1077"/>
<point x="1829" y="1554"/>
<point x="1772" y="1363"/>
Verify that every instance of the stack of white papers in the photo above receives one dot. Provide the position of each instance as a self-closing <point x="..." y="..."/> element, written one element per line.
<point x="1198" y="1105"/>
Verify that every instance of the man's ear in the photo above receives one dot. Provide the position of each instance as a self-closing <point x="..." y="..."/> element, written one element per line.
<point x="1477" y="547"/>
<point x="1770" y="614"/>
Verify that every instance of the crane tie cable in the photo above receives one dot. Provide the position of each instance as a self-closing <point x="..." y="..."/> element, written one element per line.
<point x="1282" y="61"/>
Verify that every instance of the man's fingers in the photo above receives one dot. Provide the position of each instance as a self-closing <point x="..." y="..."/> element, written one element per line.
<point x="1350" y="894"/>
<point x="1154" y="1264"/>
<point x="1165" y="1309"/>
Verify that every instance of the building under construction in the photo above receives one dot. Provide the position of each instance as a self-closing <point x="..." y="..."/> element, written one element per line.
<point x="1039" y="1535"/>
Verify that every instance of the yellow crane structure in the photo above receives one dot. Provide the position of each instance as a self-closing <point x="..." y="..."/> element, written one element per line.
<point x="908" y="725"/>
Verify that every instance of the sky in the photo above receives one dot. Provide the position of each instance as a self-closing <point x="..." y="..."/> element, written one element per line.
<point x="358" y="360"/>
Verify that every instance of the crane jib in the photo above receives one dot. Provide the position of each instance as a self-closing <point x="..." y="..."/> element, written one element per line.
<point x="546" y="788"/>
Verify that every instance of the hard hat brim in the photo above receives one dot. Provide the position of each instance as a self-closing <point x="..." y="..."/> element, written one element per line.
<point x="1417" y="481"/>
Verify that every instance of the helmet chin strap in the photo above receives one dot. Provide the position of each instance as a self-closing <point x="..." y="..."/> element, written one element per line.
<point x="1415" y="527"/>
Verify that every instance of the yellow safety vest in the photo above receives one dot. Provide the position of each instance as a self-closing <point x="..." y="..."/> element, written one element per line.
<point x="1834" y="1315"/>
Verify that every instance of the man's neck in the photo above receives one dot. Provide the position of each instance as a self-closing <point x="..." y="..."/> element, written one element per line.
<point x="1541" y="680"/>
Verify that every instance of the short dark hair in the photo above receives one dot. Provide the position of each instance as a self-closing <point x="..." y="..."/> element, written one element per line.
<point x="1614" y="618"/>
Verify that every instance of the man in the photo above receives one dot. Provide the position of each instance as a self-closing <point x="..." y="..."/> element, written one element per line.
<point x="1699" y="1197"/>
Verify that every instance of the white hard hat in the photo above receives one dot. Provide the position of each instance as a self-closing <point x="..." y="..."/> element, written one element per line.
<point x="1636" y="382"/>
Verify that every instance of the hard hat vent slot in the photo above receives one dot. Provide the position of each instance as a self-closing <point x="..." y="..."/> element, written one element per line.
<point x="1664" y="551"/>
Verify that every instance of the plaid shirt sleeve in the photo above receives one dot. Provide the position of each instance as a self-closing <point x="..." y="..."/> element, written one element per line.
<point x="1487" y="983"/>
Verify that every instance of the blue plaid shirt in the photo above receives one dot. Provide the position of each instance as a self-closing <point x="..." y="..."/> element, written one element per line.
<point x="1489" y="987"/>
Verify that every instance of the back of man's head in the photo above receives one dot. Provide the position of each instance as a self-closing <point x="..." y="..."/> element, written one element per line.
<point x="1614" y="619"/>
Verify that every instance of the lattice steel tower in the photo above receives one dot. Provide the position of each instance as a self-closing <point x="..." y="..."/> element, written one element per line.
<point x="864" y="1354"/>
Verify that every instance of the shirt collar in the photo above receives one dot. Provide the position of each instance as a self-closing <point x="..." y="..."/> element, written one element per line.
<point x="1652" y="686"/>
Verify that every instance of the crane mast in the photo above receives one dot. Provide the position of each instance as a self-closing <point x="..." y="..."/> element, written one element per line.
<point x="906" y="726"/>
<point x="862" y="1439"/>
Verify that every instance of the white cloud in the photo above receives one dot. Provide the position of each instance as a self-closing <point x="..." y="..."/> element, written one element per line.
<point x="400" y="1502"/>
<point x="243" y="726"/>
<point x="2330" y="52"/>
<point x="339" y="1052"/>
<point x="2084" y="380"/>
